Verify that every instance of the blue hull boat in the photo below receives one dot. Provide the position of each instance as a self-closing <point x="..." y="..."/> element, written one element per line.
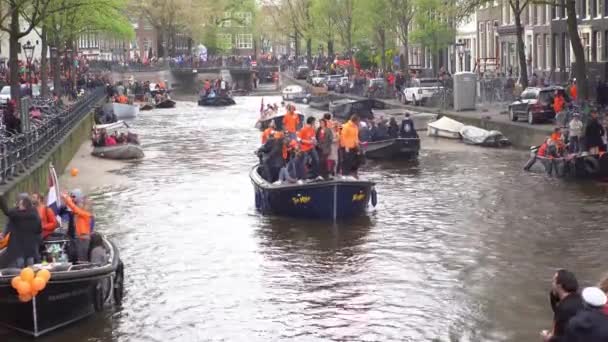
<point x="329" y="199"/>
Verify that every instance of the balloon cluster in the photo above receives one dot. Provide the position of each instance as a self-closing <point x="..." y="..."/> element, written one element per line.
<point x="28" y="283"/>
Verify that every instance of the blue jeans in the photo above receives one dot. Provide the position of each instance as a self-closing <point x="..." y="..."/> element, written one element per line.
<point x="22" y="262"/>
<point x="314" y="161"/>
<point x="574" y="145"/>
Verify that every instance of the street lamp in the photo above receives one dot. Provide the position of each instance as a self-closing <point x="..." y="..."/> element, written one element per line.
<point x="461" y="47"/>
<point x="28" y="50"/>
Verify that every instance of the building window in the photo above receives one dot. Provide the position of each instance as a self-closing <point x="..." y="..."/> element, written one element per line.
<point x="562" y="9"/>
<point x="554" y="12"/>
<point x="594" y="36"/>
<point x="244" y="41"/>
<point x="539" y="52"/>
<point x="547" y="52"/>
<point x="586" y="40"/>
<point x="540" y="14"/>
<point x="555" y="56"/>
<point x="567" y="53"/>
<point x="490" y="39"/>
<point x="482" y="40"/>
<point x="224" y="41"/>
<point x="599" y="47"/>
<point x="599" y="11"/>
<point x="242" y="19"/>
<point x="605" y="6"/>
<point x="226" y="22"/>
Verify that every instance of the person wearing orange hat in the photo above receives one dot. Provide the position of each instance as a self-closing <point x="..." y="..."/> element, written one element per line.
<point x="267" y="132"/>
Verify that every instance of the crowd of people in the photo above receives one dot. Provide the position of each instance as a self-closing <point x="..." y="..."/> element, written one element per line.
<point x="31" y="222"/>
<point x="578" y="316"/>
<point x="101" y="138"/>
<point x="304" y="151"/>
<point x="215" y="88"/>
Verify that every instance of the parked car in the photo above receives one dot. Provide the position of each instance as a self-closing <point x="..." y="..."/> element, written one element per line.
<point x="343" y="85"/>
<point x="295" y="93"/>
<point x="302" y="72"/>
<point x="5" y="94"/>
<point x="420" y="90"/>
<point x="535" y="104"/>
<point x="332" y="81"/>
<point x="313" y="74"/>
<point x="319" y="79"/>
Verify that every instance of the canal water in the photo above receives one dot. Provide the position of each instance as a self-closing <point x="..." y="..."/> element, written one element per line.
<point x="461" y="247"/>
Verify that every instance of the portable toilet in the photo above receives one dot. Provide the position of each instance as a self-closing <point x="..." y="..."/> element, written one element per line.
<point x="465" y="90"/>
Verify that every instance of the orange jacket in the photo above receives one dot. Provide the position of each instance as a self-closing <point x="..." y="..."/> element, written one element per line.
<point x="266" y="134"/>
<point x="82" y="218"/>
<point x="291" y="121"/>
<point x="306" y="134"/>
<point x="47" y="219"/>
<point x="123" y="99"/>
<point x="349" y="138"/>
<point x="573" y="92"/>
<point x="558" y="104"/>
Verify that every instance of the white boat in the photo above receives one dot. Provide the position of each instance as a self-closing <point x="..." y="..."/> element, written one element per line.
<point x="445" y="128"/>
<point x="122" y="111"/>
<point x="478" y="136"/>
<point x="124" y="151"/>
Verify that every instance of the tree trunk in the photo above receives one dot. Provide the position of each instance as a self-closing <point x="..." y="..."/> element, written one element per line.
<point x="330" y="47"/>
<point x="296" y="44"/>
<point x="405" y="57"/>
<point x="382" y="34"/>
<point x="521" y="52"/>
<point x="13" y="62"/>
<point x="58" y="89"/>
<point x="577" y="49"/>
<point x="44" y="66"/>
<point x="309" y="52"/>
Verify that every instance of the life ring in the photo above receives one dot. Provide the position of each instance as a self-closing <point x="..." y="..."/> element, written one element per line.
<point x="592" y="165"/>
<point x="119" y="284"/>
<point x="374" y="197"/>
<point x="98" y="297"/>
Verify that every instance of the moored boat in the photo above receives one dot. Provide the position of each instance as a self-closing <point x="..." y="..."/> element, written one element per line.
<point x="126" y="150"/>
<point x="121" y="110"/>
<point x="74" y="292"/>
<point x="473" y="135"/>
<point x="583" y="166"/>
<point x="217" y="101"/>
<point x="343" y="109"/>
<point x="147" y="106"/>
<point x="168" y="103"/>
<point x="400" y="148"/>
<point x="445" y="128"/>
<point x="119" y="152"/>
<point x="340" y="198"/>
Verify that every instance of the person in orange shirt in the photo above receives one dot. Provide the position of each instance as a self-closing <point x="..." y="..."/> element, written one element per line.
<point x="82" y="225"/>
<point x="291" y="121"/>
<point x="349" y="145"/>
<point x="308" y="142"/>
<point x="558" y="103"/>
<point x="573" y="90"/>
<point x="47" y="215"/>
<point x="267" y="132"/>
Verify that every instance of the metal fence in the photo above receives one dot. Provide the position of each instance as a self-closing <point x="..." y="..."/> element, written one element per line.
<point x="19" y="152"/>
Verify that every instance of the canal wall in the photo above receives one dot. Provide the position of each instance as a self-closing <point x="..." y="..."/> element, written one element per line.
<point x="521" y="135"/>
<point x="35" y="178"/>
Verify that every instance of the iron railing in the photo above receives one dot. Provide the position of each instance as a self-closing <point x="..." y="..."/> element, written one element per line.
<point x="19" y="152"/>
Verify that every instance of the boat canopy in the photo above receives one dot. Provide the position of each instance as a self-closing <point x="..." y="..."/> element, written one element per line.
<point x="447" y="124"/>
<point x="114" y="125"/>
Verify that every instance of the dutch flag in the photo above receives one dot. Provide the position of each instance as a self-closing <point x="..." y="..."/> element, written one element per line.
<point x="53" y="199"/>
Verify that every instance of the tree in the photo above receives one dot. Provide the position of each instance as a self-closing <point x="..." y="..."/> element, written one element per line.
<point x="580" y="68"/>
<point x="324" y="17"/>
<point x="432" y="27"/>
<point x="63" y="27"/>
<point x="401" y="13"/>
<point x="372" y="14"/>
<point x="345" y="24"/>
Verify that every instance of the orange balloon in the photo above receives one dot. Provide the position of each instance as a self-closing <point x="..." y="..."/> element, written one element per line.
<point x="74" y="172"/>
<point x="15" y="282"/>
<point x="25" y="298"/>
<point x="44" y="274"/>
<point x="38" y="284"/>
<point x="34" y="292"/>
<point x="27" y="274"/>
<point x="24" y="288"/>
